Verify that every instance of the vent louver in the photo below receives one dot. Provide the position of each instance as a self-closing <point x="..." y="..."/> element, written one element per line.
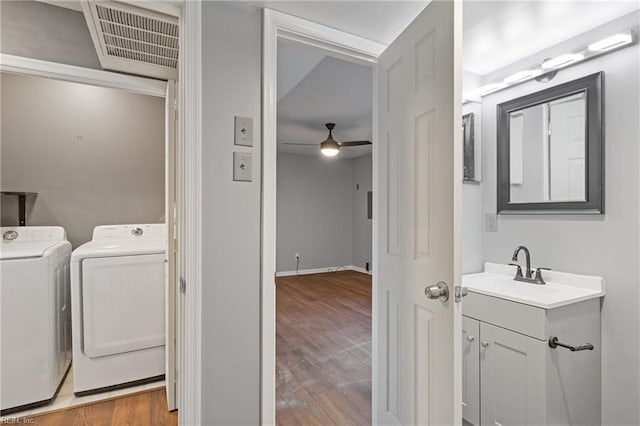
<point x="134" y="40"/>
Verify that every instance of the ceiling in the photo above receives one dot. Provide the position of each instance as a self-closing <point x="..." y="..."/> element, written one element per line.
<point x="67" y="4"/>
<point x="315" y="88"/>
<point x="496" y="33"/>
<point x="333" y="90"/>
<point x="499" y="33"/>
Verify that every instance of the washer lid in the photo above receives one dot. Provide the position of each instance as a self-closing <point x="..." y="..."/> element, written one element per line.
<point x="21" y="250"/>
<point x="18" y="242"/>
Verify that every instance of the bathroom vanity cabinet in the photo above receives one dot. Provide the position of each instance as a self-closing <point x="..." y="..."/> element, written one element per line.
<point x="511" y="375"/>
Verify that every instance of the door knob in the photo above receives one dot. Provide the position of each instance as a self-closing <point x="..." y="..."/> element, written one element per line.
<point x="470" y="338"/>
<point x="439" y="291"/>
<point x="484" y="343"/>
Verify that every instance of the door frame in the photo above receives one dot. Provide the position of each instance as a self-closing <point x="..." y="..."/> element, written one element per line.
<point x="189" y="200"/>
<point x="275" y="25"/>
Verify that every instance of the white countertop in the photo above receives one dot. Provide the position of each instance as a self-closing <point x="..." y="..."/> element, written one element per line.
<point x="560" y="289"/>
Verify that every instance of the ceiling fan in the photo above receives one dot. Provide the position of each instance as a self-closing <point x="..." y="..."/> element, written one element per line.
<point x="330" y="147"/>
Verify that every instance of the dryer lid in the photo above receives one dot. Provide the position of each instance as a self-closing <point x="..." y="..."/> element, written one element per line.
<point x="123" y="240"/>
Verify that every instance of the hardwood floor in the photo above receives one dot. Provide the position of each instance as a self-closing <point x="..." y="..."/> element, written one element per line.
<point x="147" y="408"/>
<point x="323" y="349"/>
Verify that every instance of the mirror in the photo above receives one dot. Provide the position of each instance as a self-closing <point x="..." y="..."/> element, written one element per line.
<point x="469" y="173"/>
<point x="471" y="142"/>
<point x="550" y="150"/>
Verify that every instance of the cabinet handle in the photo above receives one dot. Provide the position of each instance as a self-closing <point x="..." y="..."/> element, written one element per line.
<point x="470" y="338"/>
<point x="484" y="343"/>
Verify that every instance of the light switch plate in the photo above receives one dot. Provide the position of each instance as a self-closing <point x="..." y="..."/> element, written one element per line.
<point x="243" y="131"/>
<point x="491" y="222"/>
<point x="242" y="167"/>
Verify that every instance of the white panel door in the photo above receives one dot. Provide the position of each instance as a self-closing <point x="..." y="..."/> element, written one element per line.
<point x="471" y="371"/>
<point x="567" y="149"/>
<point x="417" y="340"/>
<point x="512" y="372"/>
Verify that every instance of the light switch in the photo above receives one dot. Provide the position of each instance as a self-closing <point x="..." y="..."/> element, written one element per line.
<point x="243" y="131"/>
<point x="242" y="166"/>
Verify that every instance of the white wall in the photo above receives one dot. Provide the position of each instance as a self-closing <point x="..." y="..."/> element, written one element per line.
<point x="95" y="156"/>
<point x="314" y="212"/>
<point x="50" y="33"/>
<point x="362" y="243"/>
<point x="600" y="245"/>
<point x="231" y="77"/>
<point x="320" y="213"/>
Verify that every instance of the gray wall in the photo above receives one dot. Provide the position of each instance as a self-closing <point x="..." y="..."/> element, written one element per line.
<point x="94" y="155"/>
<point x="46" y="32"/>
<point x="362" y="244"/>
<point x="600" y="245"/>
<point x="231" y="77"/>
<point x="314" y="211"/>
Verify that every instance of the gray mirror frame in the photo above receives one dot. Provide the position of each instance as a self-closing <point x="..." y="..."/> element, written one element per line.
<point x="594" y="166"/>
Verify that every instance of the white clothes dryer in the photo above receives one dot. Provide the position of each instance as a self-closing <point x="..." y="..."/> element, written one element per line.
<point x="118" y="307"/>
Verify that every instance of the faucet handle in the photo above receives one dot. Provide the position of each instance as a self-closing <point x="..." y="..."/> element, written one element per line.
<point x="518" y="271"/>
<point x="538" y="277"/>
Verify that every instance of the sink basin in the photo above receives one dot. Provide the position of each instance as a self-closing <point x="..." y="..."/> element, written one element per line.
<point x="561" y="288"/>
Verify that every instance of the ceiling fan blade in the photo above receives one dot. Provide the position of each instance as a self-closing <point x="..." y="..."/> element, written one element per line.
<point x="354" y="143"/>
<point x="301" y="144"/>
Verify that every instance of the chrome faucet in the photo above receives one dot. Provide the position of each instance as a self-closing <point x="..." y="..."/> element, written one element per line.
<point x="527" y="278"/>
<point x="514" y="260"/>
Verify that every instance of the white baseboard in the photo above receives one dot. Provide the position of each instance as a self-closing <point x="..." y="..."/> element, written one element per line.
<point x="359" y="269"/>
<point x="322" y="271"/>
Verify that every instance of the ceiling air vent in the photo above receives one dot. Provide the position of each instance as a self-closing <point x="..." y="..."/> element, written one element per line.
<point x="133" y="40"/>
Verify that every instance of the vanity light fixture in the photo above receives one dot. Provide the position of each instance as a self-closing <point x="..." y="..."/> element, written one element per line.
<point x="612" y="42"/>
<point x="490" y="88"/>
<point x="522" y="76"/>
<point x="561" y="61"/>
<point x="549" y="67"/>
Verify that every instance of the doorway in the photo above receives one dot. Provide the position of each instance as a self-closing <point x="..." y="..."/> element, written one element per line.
<point x="83" y="162"/>
<point x="324" y="237"/>
<point x="416" y="211"/>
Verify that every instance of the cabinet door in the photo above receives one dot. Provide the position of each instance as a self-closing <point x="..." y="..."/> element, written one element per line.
<point x="471" y="371"/>
<point x="512" y="377"/>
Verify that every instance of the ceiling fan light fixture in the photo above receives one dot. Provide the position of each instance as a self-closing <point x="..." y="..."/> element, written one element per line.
<point x="329" y="148"/>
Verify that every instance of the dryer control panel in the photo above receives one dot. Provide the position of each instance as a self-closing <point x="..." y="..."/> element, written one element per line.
<point x="130" y="232"/>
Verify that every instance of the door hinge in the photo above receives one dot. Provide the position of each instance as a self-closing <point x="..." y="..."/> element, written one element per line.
<point x="459" y="292"/>
<point x="183" y="285"/>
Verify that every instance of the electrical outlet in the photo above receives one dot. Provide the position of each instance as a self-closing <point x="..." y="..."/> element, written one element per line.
<point x="297" y="256"/>
<point x="491" y="222"/>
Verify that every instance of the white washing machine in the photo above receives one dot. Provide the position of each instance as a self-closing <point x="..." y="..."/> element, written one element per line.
<point x="118" y="307"/>
<point x="35" y="315"/>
